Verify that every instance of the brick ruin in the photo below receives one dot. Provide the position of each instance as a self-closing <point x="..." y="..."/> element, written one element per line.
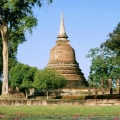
<point x="63" y="60"/>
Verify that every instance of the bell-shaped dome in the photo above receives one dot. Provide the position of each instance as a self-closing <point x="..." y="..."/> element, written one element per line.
<point x="62" y="53"/>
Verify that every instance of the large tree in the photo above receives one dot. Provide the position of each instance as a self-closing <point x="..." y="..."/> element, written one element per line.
<point x="16" y="16"/>
<point x="48" y="79"/>
<point x="22" y="76"/>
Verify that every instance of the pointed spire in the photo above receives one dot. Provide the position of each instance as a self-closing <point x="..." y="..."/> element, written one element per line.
<point x="62" y="32"/>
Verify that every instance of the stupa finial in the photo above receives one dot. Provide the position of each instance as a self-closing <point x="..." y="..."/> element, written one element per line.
<point x="62" y="32"/>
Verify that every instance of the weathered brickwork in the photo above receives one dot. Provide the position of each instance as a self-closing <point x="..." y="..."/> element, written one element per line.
<point x="89" y="102"/>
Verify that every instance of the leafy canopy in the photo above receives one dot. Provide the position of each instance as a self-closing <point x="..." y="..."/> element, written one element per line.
<point x="113" y="43"/>
<point x="22" y="76"/>
<point x="114" y="40"/>
<point x="102" y="65"/>
<point x="48" y="79"/>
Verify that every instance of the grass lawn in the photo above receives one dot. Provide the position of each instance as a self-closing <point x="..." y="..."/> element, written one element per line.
<point x="51" y="111"/>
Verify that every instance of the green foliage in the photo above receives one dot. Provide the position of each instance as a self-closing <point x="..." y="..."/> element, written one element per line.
<point x="18" y="13"/>
<point x="102" y="65"/>
<point x="22" y="76"/>
<point x="29" y="78"/>
<point x="49" y="79"/>
<point x="113" y="43"/>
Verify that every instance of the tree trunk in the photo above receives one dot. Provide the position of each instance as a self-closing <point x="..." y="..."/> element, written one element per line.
<point x="4" y="34"/>
<point x="26" y="94"/>
<point x="47" y="94"/>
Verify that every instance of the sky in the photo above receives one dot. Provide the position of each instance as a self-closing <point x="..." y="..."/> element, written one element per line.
<point x="87" y="23"/>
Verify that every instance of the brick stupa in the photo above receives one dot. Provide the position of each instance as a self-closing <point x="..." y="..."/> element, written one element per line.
<point x="63" y="60"/>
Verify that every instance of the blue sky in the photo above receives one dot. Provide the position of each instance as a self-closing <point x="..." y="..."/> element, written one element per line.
<point x="87" y="24"/>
